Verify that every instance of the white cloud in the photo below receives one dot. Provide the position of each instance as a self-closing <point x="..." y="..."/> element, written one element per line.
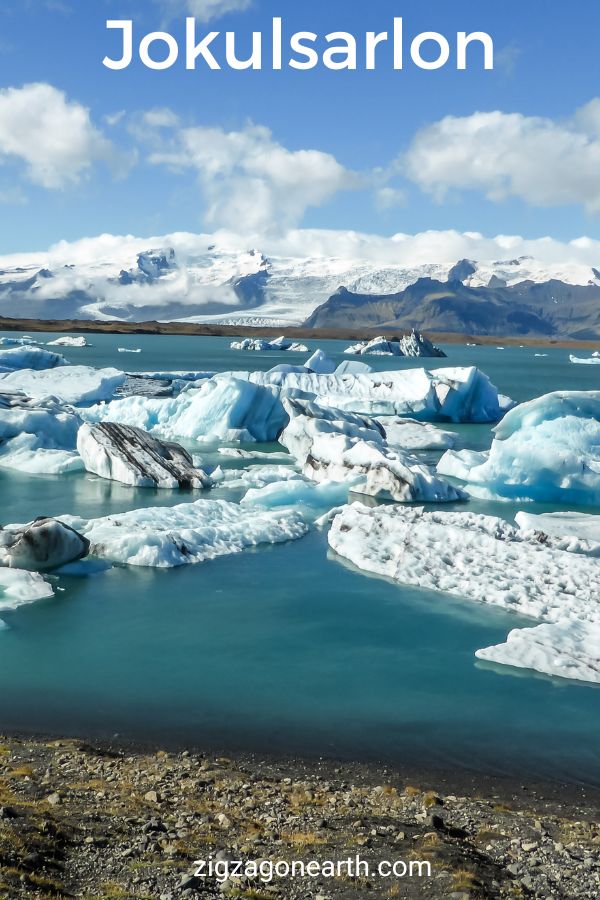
<point x="389" y="198"/>
<point x="251" y="181"/>
<point x="542" y="161"/>
<point x="205" y="10"/>
<point x="52" y="135"/>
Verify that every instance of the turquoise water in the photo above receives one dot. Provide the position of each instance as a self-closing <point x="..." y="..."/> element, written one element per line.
<point x="285" y="649"/>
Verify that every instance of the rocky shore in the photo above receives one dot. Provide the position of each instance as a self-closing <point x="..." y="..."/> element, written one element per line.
<point x="91" y="820"/>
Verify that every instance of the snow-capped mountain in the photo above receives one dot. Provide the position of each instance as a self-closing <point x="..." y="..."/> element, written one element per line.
<point x="194" y="279"/>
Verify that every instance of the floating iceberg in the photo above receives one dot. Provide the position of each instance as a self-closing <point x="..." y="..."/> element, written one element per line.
<point x="331" y="445"/>
<point x="546" y="450"/>
<point x="69" y="341"/>
<point x="567" y="649"/>
<point x="189" y="533"/>
<point x="24" y="341"/>
<point x="478" y="558"/>
<point x="408" y="434"/>
<point x="223" y="409"/>
<point x="255" y="477"/>
<point x="41" y="544"/>
<point x="280" y="343"/>
<point x="18" y="587"/>
<point x="27" y="357"/>
<point x="299" y="493"/>
<point x="127" y="350"/>
<point x="585" y="361"/>
<point x="414" y="344"/>
<point x="131" y="456"/>
<point x="450" y="395"/>
<point x="320" y="364"/>
<point x="75" y="385"/>
<point x="38" y="437"/>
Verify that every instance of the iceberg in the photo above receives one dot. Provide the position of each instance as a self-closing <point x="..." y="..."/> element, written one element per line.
<point x="224" y="409"/>
<point x="585" y="361"/>
<point x="414" y="344"/>
<point x="18" y="587"/>
<point x="280" y="343"/>
<point x="132" y="456"/>
<point x="546" y="450"/>
<point x="320" y="364"/>
<point x="352" y="367"/>
<point x="41" y="544"/>
<point x="299" y="493"/>
<point x="409" y="434"/>
<point x="27" y="357"/>
<point x="38" y="437"/>
<point x="567" y="649"/>
<point x="185" y="534"/>
<point x="254" y="477"/>
<point x="69" y="341"/>
<point x="478" y="558"/>
<point x="332" y="445"/>
<point x="440" y="395"/>
<point x="127" y="350"/>
<point x="75" y="385"/>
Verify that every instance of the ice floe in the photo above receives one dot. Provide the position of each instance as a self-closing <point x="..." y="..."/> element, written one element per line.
<point x="37" y="437"/>
<point x="224" y="409"/>
<point x="69" y="341"/>
<point x="41" y="544"/>
<point x="128" y="350"/>
<point x="75" y="385"/>
<point x="546" y="450"/>
<point x="331" y="445"/>
<point x="18" y="587"/>
<point x="567" y="649"/>
<point x="280" y="343"/>
<point x="479" y="558"/>
<point x="578" y="532"/>
<point x="585" y="361"/>
<point x="414" y="344"/>
<point x="132" y="456"/>
<point x="409" y="434"/>
<point x="299" y="493"/>
<point x="26" y="357"/>
<point x="449" y="394"/>
<point x="184" y="534"/>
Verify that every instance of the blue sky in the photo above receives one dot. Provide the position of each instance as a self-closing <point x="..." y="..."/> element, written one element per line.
<point x="385" y="163"/>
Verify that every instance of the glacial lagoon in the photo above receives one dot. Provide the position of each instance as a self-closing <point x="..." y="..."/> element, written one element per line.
<point x="286" y="648"/>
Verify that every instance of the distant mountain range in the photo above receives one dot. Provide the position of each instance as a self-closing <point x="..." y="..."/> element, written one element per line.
<point x="195" y="281"/>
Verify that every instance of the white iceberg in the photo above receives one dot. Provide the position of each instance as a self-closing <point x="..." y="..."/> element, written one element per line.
<point x="27" y="357"/>
<point x="131" y="456"/>
<point x="69" y="341"/>
<point x="546" y="450"/>
<point x="450" y="394"/>
<point x="18" y="587"/>
<point x="332" y="445"/>
<point x="37" y="437"/>
<point x="567" y="649"/>
<point x="224" y="409"/>
<point x="128" y="350"/>
<point x="260" y="344"/>
<point x="414" y="344"/>
<point x="299" y="493"/>
<point x="585" y="361"/>
<point x="320" y="364"/>
<point x="578" y="532"/>
<point x="166" y="537"/>
<point x="255" y="477"/>
<point x="75" y="385"/>
<point x="479" y="558"/>
<point x="41" y="544"/>
<point x="409" y="434"/>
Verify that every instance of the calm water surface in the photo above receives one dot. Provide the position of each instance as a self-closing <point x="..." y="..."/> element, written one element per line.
<point x="286" y="648"/>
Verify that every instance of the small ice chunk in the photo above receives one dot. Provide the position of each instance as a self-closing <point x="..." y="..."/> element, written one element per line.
<point x="18" y="587"/>
<point x="320" y="364"/>
<point x="41" y="544"/>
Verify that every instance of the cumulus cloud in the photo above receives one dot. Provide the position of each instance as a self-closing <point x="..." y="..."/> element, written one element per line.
<point x="205" y="10"/>
<point x="52" y="135"/>
<point x="251" y="181"/>
<point x="539" y="160"/>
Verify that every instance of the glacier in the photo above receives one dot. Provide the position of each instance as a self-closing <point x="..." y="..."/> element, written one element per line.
<point x="546" y="450"/>
<point x="485" y="559"/>
<point x="166" y="537"/>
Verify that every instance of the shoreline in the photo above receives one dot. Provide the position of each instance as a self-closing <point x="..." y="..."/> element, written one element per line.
<point x="105" y="819"/>
<point x="88" y="326"/>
